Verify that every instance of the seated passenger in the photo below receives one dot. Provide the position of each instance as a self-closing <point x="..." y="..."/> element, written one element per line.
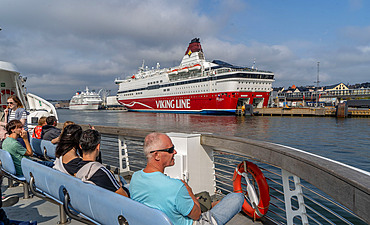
<point x="66" y="151"/>
<point x="15" y="130"/>
<point x="3" y="133"/>
<point x="173" y="196"/>
<point x="37" y="130"/>
<point x="50" y="131"/>
<point x="57" y="139"/>
<point x="91" y="171"/>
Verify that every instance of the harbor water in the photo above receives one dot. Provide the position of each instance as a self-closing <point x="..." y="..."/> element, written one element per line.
<point x="344" y="140"/>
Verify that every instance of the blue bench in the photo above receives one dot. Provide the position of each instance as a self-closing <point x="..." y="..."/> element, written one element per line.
<point x="48" y="149"/>
<point x="36" y="147"/>
<point x="86" y="202"/>
<point x="7" y="166"/>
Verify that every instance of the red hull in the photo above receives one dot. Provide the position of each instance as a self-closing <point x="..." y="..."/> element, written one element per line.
<point x="225" y="102"/>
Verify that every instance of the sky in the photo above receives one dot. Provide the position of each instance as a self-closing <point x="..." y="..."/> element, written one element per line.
<point x="64" y="46"/>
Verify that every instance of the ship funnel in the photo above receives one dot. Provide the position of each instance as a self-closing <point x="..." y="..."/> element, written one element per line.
<point x="194" y="46"/>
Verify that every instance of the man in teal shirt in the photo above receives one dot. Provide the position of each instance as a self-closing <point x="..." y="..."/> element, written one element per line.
<point x="172" y="196"/>
<point x="15" y="130"/>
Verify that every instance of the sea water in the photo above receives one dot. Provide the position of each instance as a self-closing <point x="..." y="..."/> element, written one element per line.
<point x="344" y="140"/>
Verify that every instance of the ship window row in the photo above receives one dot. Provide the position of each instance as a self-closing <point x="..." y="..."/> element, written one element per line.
<point x="214" y="78"/>
<point x="241" y="82"/>
<point x="193" y="86"/>
<point x="256" y="89"/>
<point x="155" y="82"/>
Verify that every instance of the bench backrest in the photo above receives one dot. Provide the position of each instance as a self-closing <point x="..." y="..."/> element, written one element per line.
<point x="7" y="162"/>
<point x="95" y="202"/>
<point x="49" y="148"/>
<point x="36" y="146"/>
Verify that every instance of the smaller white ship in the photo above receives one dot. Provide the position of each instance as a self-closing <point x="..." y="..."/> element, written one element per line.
<point x="85" y="100"/>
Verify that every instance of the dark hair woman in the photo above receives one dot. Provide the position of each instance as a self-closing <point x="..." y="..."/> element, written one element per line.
<point x="68" y="149"/>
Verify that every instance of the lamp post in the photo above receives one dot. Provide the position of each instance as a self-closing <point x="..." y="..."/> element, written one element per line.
<point x="317" y="84"/>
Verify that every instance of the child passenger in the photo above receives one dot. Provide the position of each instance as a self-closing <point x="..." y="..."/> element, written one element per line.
<point x="37" y="130"/>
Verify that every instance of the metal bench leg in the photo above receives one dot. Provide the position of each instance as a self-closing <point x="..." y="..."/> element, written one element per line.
<point x="10" y="182"/>
<point x="62" y="215"/>
<point x="26" y="192"/>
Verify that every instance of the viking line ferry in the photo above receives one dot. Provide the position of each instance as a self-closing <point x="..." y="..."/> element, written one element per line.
<point x="195" y="86"/>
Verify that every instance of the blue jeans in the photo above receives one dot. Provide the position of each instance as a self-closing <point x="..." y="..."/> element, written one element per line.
<point x="46" y="163"/>
<point x="227" y="208"/>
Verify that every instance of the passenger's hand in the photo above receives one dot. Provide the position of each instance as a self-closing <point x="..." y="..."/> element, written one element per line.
<point x="6" y="110"/>
<point x="23" y="134"/>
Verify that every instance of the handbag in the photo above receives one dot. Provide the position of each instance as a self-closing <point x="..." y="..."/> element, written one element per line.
<point x="205" y="201"/>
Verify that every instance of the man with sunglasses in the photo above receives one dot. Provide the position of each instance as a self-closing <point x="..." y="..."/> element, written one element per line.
<point x="172" y="196"/>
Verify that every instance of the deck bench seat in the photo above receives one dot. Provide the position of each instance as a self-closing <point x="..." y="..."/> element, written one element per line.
<point x="48" y="149"/>
<point x="86" y="202"/>
<point x="36" y="147"/>
<point x="7" y="166"/>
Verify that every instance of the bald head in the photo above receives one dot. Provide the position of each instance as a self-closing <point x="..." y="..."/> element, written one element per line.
<point x="154" y="141"/>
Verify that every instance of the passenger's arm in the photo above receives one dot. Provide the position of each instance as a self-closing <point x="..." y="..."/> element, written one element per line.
<point x="55" y="140"/>
<point x="24" y="136"/>
<point x="122" y="192"/>
<point x="196" y="211"/>
<point x="6" y="112"/>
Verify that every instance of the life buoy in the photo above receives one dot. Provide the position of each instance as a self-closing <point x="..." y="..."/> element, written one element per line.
<point x="6" y="92"/>
<point x="255" y="204"/>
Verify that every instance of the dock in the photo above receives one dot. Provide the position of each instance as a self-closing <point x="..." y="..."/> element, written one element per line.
<point x="306" y="112"/>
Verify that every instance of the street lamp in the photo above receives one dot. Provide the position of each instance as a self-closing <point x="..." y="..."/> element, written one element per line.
<point x="317" y="84"/>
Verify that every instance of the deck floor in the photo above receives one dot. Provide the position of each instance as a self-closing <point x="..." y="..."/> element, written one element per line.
<point x="44" y="212"/>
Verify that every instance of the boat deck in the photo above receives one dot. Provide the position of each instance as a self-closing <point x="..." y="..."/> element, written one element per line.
<point x="44" y="212"/>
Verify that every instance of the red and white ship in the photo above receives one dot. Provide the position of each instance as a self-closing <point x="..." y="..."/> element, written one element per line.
<point x="195" y="86"/>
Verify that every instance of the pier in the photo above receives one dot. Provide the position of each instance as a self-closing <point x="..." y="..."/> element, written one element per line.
<point x="312" y="111"/>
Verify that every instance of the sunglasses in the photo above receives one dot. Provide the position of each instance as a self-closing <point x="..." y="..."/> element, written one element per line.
<point x="169" y="150"/>
<point x="10" y="103"/>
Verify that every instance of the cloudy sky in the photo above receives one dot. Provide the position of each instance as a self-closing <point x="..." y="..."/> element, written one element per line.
<point x="63" y="46"/>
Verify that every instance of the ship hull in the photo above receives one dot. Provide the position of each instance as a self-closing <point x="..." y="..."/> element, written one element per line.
<point x="85" y="106"/>
<point x="215" y="103"/>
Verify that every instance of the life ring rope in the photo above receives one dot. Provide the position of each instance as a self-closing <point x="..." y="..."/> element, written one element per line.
<point x="258" y="203"/>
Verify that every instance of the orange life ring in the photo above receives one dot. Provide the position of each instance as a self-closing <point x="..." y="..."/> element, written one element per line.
<point x="8" y="92"/>
<point x="258" y="202"/>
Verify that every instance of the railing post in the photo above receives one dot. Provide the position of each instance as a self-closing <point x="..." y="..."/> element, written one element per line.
<point x="289" y="194"/>
<point x="123" y="154"/>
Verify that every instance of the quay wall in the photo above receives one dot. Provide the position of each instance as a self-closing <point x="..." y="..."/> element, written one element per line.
<point x="308" y="112"/>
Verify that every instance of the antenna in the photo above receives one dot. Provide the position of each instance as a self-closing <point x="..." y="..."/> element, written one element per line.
<point x="141" y="69"/>
<point x="254" y="63"/>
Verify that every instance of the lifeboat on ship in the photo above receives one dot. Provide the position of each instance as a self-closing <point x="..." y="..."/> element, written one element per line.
<point x="173" y="72"/>
<point x="195" y="67"/>
<point x="184" y="70"/>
